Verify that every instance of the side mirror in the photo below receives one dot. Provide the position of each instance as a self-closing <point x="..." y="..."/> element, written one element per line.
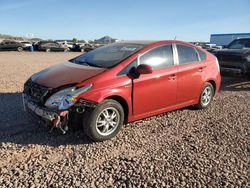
<point x="144" y="69"/>
<point x="135" y="72"/>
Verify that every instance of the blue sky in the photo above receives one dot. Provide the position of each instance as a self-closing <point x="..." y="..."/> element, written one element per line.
<point x="189" y="20"/>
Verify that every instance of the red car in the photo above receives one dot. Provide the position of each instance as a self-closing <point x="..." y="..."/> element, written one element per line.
<point x="123" y="82"/>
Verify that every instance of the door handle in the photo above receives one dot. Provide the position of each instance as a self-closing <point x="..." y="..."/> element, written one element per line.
<point x="172" y="77"/>
<point x="201" y="69"/>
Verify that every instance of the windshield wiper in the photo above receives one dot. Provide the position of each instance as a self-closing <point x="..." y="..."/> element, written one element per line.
<point x="86" y="63"/>
<point x="83" y="63"/>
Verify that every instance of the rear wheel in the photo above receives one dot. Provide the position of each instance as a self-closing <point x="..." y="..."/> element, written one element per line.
<point x="206" y="96"/>
<point x="19" y="49"/>
<point x="105" y="121"/>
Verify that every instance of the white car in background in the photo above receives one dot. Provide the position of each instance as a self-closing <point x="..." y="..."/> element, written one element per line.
<point x="26" y="44"/>
<point x="67" y="44"/>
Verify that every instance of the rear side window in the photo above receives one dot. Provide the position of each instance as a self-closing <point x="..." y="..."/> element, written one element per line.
<point x="202" y="55"/>
<point x="186" y="54"/>
<point x="159" y="57"/>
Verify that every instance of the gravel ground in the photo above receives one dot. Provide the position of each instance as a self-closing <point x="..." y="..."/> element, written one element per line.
<point x="183" y="148"/>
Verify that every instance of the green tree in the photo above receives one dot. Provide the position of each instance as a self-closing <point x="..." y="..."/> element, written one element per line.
<point x="74" y="40"/>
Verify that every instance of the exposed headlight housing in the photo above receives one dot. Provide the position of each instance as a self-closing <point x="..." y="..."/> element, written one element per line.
<point x="65" y="98"/>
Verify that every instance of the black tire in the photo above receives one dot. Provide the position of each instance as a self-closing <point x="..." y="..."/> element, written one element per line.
<point x="47" y="50"/>
<point x="92" y="115"/>
<point x="247" y="75"/>
<point x="75" y="121"/>
<point x="209" y="87"/>
<point x="19" y="49"/>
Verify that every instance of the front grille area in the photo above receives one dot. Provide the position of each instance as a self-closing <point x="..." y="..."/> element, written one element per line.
<point x="229" y="57"/>
<point x="37" y="93"/>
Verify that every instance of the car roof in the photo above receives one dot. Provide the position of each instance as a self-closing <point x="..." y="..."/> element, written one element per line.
<point x="142" y="42"/>
<point x="150" y="42"/>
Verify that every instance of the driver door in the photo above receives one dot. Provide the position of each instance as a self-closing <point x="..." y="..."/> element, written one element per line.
<point x="155" y="92"/>
<point x="6" y="46"/>
<point x="57" y="47"/>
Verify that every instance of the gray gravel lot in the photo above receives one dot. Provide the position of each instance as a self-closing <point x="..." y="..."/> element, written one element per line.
<point x="183" y="148"/>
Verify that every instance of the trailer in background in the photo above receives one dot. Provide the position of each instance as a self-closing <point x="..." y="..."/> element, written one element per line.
<point x="225" y="39"/>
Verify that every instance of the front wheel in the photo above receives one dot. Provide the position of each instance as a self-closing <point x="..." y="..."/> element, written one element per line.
<point x="206" y="96"/>
<point x="105" y="121"/>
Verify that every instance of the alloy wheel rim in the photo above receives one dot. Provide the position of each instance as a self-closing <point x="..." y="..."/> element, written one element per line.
<point x="206" y="96"/>
<point x="107" y="121"/>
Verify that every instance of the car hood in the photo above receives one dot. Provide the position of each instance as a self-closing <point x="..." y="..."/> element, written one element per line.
<point x="64" y="74"/>
<point x="232" y="51"/>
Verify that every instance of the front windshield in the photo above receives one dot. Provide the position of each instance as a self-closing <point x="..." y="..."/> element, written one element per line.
<point x="107" y="56"/>
<point x="239" y="44"/>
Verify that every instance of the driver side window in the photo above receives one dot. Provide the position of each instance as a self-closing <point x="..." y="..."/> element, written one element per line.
<point x="159" y="57"/>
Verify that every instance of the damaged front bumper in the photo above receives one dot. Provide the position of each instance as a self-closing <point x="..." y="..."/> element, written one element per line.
<point x="51" y="114"/>
<point x="55" y="118"/>
<point x="42" y="112"/>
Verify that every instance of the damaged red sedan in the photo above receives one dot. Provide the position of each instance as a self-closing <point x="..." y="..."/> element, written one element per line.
<point x="119" y="83"/>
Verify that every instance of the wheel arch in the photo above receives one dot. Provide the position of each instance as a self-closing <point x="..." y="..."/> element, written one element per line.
<point x="213" y="84"/>
<point x="124" y="104"/>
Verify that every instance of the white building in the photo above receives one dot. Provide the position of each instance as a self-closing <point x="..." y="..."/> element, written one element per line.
<point x="225" y="39"/>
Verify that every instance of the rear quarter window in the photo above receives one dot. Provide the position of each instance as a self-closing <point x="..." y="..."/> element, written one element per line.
<point x="186" y="54"/>
<point x="202" y="55"/>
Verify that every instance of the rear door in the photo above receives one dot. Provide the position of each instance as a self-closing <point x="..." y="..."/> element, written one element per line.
<point x="190" y="74"/>
<point x="52" y="46"/>
<point x="13" y="45"/>
<point x="156" y="91"/>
